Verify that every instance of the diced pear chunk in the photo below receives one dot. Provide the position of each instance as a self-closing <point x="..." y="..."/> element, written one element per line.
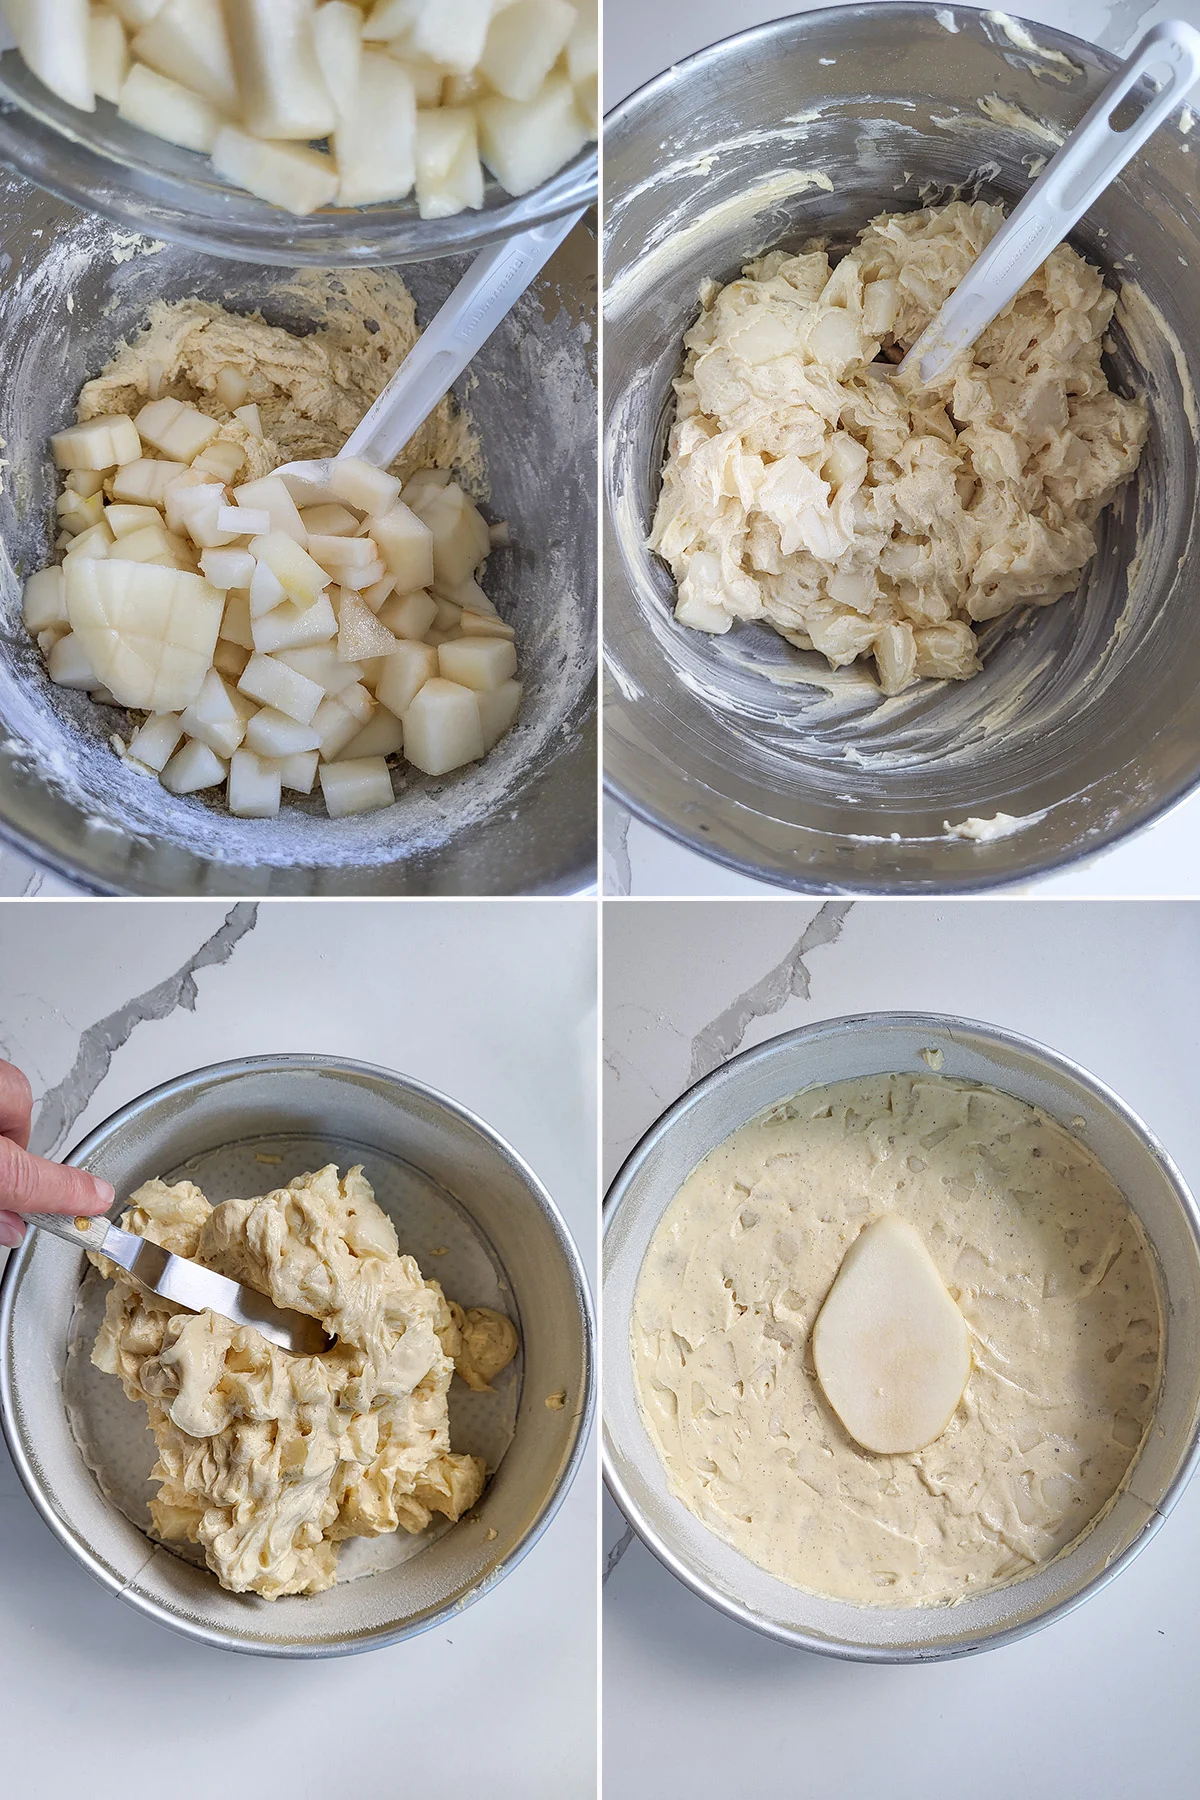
<point x="498" y="711"/>
<point x="335" y="727"/>
<point x="249" y="417"/>
<point x="329" y="520"/>
<point x="136" y="13"/>
<point x="321" y="665"/>
<point x="235" y="625"/>
<point x="253" y="786"/>
<point x="524" y="42"/>
<point x="52" y="36"/>
<point x="77" y="512"/>
<point x="229" y="568"/>
<point x="145" y="482"/>
<point x="123" y="519"/>
<point x="583" y="45"/>
<point x="449" y="173"/>
<point x="150" y="543"/>
<point x="336" y="553"/>
<point x="187" y="40"/>
<point x="198" y="511"/>
<point x="354" y="787"/>
<point x="232" y="387"/>
<point x="95" y="541"/>
<point x="481" y="663"/>
<point x="298" y="772"/>
<point x="271" y="496"/>
<point x="218" y="715"/>
<point x="367" y="577"/>
<point x="272" y="733"/>
<point x="337" y="34"/>
<point x="283" y="93"/>
<point x="290" y="627"/>
<point x="155" y="742"/>
<point x="45" y="601"/>
<point x="450" y="32"/>
<point x="405" y="543"/>
<point x="245" y="521"/>
<point x="375" y="142"/>
<point x="222" y="459"/>
<point x="101" y="443"/>
<point x="408" y="615"/>
<point x="266" y="590"/>
<point x="485" y="625"/>
<point x="360" y="484"/>
<point x="302" y="579"/>
<point x="150" y="632"/>
<point x="108" y="53"/>
<point x="155" y="103"/>
<point x="442" y="729"/>
<point x="230" y="659"/>
<point x="405" y="672"/>
<point x="382" y="735"/>
<point x="288" y="175"/>
<point x="460" y="533"/>
<point x="193" y="767"/>
<point x="85" y="481"/>
<point x="359" y="632"/>
<point x="285" y="689"/>
<point x="524" y="142"/>
<point x="69" y="664"/>
<point x="180" y="431"/>
<point x="890" y="1347"/>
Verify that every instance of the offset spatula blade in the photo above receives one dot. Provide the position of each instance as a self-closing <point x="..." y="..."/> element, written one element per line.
<point x="187" y="1283"/>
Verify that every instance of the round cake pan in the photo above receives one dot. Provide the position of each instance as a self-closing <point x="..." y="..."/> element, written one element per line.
<point x="222" y="1118"/>
<point x="1082" y="722"/>
<point x="840" y="1050"/>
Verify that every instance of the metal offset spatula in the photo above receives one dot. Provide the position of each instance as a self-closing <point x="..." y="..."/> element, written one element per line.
<point x="187" y="1283"/>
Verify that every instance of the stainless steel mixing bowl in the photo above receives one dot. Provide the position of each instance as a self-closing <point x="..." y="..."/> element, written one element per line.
<point x="838" y="1050"/>
<point x="208" y="1124"/>
<point x="99" y="161"/>
<point x="523" y="820"/>
<point x="1086" y="711"/>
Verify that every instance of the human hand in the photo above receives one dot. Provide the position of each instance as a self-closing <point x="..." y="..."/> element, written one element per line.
<point x="30" y="1183"/>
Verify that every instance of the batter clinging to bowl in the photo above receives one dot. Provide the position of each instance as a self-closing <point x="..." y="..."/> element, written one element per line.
<point x="865" y="514"/>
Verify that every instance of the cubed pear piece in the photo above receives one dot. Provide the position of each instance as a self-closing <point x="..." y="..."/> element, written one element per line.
<point x="337" y="35"/>
<point x="245" y="521"/>
<point x="230" y="660"/>
<point x="375" y="142"/>
<point x="44" y="601"/>
<point x="155" y="742"/>
<point x="150" y="632"/>
<point x="253" y="786"/>
<point x="524" y="142"/>
<point x="447" y="615"/>
<point x="364" y="785"/>
<point x="101" y="443"/>
<point x="524" y="42"/>
<point x="229" y="569"/>
<point x="583" y="45"/>
<point x="298" y="772"/>
<point x="231" y="387"/>
<point x="235" y="623"/>
<point x="272" y="733"/>
<point x="122" y="519"/>
<point x="405" y="543"/>
<point x="77" y="512"/>
<point x="498" y="711"/>
<point x="405" y="672"/>
<point x="335" y="727"/>
<point x="481" y="663"/>
<point x="145" y="482"/>
<point x="108" y="52"/>
<point x="890" y="1347"/>
<point x="450" y="32"/>
<point x="359" y="632"/>
<point x="97" y="540"/>
<point x="288" y="175"/>
<point x="52" y="36"/>
<point x="187" y="40"/>
<point x="151" y="543"/>
<point x="269" y="495"/>
<point x="442" y="729"/>
<point x="382" y="735"/>
<point x="360" y="484"/>
<point x="85" y="481"/>
<point x="485" y="625"/>
<point x="290" y="627"/>
<point x="266" y="591"/>
<point x="180" y="431"/>
<point x="283" y="93"/>
<point x="408" y="615"/>
<point x="198" y="512"/>
<point x="449" y="173"/>
<point x="193" y="766"/>
<point x="329" y="520"/>
<point x="218" y="715"/>
<point x="321" y="665"/>
<point x="302" y="579"/>
<point x="250" y="417"/>
<point x="336" y="553"/>
<point x="460" y="533"/>
<point x="70" y="665"/>
<point x="378" y="591"/>
<point x="136" y="13"/>
<point x="467" y="594"/>
<point x="368" y="577"/>
<point x="222" y="459"/>
<point x="167" y="109"/>
<point x="286" y="689"/>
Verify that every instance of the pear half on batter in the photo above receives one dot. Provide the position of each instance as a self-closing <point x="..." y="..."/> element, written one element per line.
<point x="891" y="1348"/>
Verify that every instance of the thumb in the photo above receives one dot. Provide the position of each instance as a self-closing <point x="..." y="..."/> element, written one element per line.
<point x="31" y="1184"/>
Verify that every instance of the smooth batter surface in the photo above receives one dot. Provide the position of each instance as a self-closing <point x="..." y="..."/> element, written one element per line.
<point x="266" y="1459"/>
<point x="864" y="515"/>
<point x="1044" y="1259"/>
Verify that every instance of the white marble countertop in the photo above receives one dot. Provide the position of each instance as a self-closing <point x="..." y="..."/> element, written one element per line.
<point x="1102" y="1702"/>
<point x="494" y="1003"/>
<point x="640" y="42"/>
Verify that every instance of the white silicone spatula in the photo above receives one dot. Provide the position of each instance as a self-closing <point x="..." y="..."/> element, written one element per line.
<point x="487" y="292"/>
<point x="1092" y="156"/>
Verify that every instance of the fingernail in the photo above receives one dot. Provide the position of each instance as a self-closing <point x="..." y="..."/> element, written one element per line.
<point x="11" y="1230"/>
<point x="105" y="1192"/>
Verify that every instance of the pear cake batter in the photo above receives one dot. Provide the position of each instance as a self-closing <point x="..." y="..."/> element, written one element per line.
<point x="1048" y="1267"/>
<point x="864" y="514"/>
<point x="266" y="1459"/>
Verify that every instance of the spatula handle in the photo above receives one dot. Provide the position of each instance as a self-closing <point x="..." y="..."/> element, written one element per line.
<point x="84" y="1233"/>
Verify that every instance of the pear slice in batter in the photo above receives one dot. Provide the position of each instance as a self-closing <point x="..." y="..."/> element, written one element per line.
<point x="891" y="1348"/>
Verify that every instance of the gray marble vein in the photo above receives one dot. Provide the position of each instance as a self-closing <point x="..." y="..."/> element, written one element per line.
<point x="64" y="1104"/>
<point x="788" y="980"/>
<point x="616" y="1553"/>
